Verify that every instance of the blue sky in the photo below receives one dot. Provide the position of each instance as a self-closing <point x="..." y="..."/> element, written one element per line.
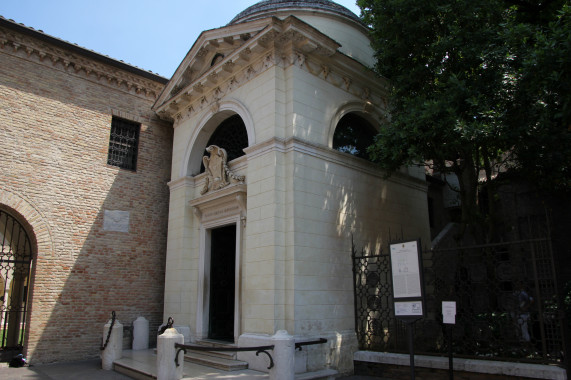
<point x="152" y="35"/>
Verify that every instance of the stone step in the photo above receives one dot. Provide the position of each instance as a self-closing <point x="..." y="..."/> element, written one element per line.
<point x="133" y="370"/>
<point x="328" y="374"/>
<point x="215" y="360"/>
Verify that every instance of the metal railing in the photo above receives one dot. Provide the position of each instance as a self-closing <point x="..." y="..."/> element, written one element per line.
<point x="258" y="349"/>
<point x="508" y="306"/>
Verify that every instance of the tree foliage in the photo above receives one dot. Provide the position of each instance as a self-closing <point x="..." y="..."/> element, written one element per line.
<point x="474" y="84"/>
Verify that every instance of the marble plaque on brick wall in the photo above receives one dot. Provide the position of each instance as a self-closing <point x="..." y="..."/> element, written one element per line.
<point x="116" y="220"/>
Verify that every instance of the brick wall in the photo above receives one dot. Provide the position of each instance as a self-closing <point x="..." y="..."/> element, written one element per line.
<point x="56" y="108"/>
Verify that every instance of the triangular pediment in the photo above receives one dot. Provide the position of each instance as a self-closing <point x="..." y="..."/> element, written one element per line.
<point x="211" y="47"/>
<point x="218" y="55"/>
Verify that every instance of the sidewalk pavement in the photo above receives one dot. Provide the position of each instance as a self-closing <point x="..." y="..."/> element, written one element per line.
<point x="81" y="370"/>
<point x="86" y="370"/>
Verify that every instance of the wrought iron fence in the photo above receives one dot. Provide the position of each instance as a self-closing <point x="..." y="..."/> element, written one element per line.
<point x="506" y="296"/>
<point x="15" y="264"/>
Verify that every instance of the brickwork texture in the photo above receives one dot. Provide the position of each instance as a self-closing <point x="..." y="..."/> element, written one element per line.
<point x="55" y="119"/>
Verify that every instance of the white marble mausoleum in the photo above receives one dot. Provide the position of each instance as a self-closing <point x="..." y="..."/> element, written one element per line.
<point x="268" y="181"/>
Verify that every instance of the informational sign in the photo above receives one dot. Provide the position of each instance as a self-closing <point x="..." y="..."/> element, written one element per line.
<point x="410" y="308"/>
<point x="406" y="270"/>
<point x="449" y="312"/>
<point x="408" y="291"/>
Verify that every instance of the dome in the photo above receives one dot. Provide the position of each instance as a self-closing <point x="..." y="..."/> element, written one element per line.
<point x="267" y="8"/>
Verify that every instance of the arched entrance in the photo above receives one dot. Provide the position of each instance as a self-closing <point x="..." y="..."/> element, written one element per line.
<point x="15" y="269"/>
<point x="221" y="211"/>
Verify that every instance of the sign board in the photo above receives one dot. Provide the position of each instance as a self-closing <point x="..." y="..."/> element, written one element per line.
<point x="408" y="308"/>
<point x="406" y="268"/>
<point x="449" y="312"/>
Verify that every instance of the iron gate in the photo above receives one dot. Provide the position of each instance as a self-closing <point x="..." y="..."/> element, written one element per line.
<point x="507" y="303"/>
<point x="15" y="265"/>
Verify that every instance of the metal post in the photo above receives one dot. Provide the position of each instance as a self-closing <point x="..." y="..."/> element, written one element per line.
<point x="450" y="357"/>
<point x="409" y="325"/>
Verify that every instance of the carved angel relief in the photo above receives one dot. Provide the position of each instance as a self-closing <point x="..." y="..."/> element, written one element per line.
<point x="217" y="170"/>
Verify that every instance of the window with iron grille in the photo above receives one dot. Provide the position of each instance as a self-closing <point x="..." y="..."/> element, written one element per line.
<point x="123" y="144"/>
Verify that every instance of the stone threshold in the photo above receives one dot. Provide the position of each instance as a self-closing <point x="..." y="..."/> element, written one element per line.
<point x="533" y="371"/>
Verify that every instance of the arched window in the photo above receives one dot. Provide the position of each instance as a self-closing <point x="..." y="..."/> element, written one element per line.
<point x="16" y="254"/>
<point x="231" y="135"/>
<point x="353" y="135"/>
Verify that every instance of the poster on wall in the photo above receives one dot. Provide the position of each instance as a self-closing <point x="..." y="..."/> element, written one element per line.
<point x="408" y="288"/>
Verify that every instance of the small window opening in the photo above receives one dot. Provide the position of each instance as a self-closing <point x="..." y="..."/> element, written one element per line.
<point x="123" y="144"/>
<point x="354" y="135"/>
<point x="217" y="58"/>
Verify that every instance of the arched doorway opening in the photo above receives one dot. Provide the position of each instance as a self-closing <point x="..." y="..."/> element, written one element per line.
<point x="221" y="211"/>
<point x="15" y="270"/>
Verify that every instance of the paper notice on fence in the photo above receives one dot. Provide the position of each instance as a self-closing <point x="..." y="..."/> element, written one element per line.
<point x="412" y="308"/>
<point x="449" y="312"/>
<point x="406" y="271"/>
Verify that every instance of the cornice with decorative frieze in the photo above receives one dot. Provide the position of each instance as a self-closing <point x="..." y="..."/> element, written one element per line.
<point x="294" y="144"/>
<point x="281" y="42"/>
<point x="275" y="48"/>
<point x="27" y="47"/>
<point x="356" y="82"/>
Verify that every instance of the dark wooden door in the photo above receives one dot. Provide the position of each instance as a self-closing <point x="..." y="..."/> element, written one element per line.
<point x="222" y="283"/>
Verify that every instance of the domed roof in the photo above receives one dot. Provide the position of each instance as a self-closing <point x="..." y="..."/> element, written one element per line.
<point x="268" y="7"/>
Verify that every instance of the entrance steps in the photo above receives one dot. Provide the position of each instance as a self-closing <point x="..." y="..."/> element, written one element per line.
<point x="142" y="365"/>
<point x="223" y="360"/>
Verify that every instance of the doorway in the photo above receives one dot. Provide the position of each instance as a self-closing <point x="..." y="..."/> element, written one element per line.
<point x="222" y="283"/>
<point x="15" y="265"/>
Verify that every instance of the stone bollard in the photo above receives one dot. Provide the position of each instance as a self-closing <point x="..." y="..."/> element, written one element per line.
<point x="284" y="354"/>
<point x="166" y="352"/>
<point x="114" y="348"/>
<point x="140" y="334"/>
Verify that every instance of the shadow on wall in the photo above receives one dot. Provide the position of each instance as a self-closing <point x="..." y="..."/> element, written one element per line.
<point x="100" y="231"/>
<point x="114" y="261"/>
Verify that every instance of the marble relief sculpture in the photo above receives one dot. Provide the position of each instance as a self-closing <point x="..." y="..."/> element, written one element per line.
<point x="218" y="173"/>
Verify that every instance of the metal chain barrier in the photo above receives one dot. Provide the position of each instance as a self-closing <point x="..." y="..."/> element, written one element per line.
<point x="109" y="332"/>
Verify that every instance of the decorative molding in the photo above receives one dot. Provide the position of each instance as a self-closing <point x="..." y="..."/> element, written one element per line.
<point x="358" y="85"/>
<point x="279" y="42"/>
<point x="330" y="155"/>
<point x="225" y="203"/>
<point x="30" y="48"/>
<point x="181" y="183"/>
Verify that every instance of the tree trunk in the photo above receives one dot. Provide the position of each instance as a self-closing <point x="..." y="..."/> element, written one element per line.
<point x="467" y="173"/>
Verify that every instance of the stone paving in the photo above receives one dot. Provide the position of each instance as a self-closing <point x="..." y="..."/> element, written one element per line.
<point x="84" y="370"/>
<point x="91" y="370"/>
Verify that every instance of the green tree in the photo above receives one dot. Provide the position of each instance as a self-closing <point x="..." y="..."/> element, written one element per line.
<point x="460" y="74"/>
<point x="541" y="110"/>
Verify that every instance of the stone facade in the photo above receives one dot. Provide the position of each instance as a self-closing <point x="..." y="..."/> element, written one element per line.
<point x="56" y="105"/>
<point x="301" y="201"/>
